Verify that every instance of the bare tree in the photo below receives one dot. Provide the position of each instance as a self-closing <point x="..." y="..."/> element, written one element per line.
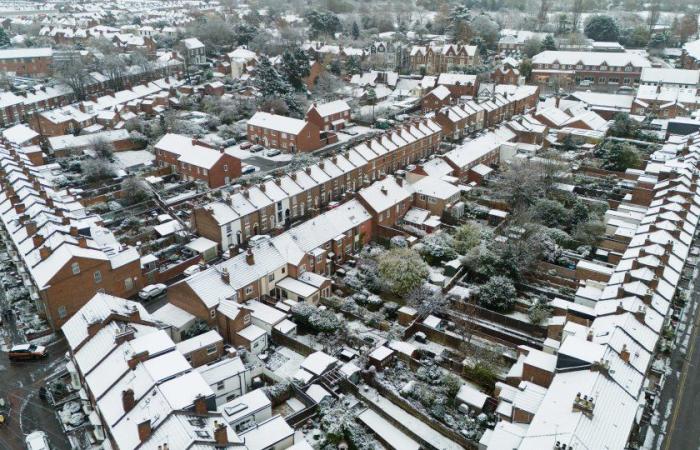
<point x="75" y="73"/>
<point x="103" y="148"/>
<point x="654" y="14"/>
<point x="114" y="68"/>
<point x="576" y="10"/>
<point x="542" y="13"/>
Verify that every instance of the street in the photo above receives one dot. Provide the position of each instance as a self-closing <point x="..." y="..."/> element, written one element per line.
<point x="674" y="424"/>
<point x="19" y="385"/>
<point x="683" y="431"/>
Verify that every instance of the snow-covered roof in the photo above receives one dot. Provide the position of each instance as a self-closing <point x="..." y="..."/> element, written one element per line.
<point x="330" y="108"/>
<point x="276" y="122"/>
<point x="384" y="194"/>
<point x="318" y="363"/>
<point x="591" y="58"/>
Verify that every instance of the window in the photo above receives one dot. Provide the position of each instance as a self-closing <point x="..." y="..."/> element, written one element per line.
<point x="97" y="276"/>
<point x="75" y="267"/>
<point x="62" y="312"/>
<point x="211" y="349"/>
<point x="212" y="313"/>
<point x="271" y="277"/>
<point x="248" y="290"/>
<point x="128" y="284"/>
<point x="225" y="167"/>
<point x="246" y="319"/>
<point x="219" y="385"/>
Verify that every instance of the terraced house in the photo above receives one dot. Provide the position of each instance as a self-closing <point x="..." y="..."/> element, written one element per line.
<point x="603" y="70"/>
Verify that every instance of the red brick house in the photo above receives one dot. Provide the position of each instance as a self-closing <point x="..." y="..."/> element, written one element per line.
<point x="329" y="116"/>
<point x="436" y="99"/>
<point x="284" y="133"/>
<point x="27" y="62"/>
<point x="195" y="160"/>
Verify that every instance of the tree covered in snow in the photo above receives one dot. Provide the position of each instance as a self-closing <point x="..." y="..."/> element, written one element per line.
<point x="315" y="319"/>
<point x="402" y="269"/>
<point x="268" y="80"/>
<point x="134" y="190"/>
<point x="322" y="23"/>
<point x="339" y="424"/>
<point x="437" y="247"/>
<point x="96" y="169"/>
<point x="498" y="294"/>
<point x="538" y="312"/>
<point x="295" y="66"/>
<point x="467" y="236"/>
<point x="426" y="299"/>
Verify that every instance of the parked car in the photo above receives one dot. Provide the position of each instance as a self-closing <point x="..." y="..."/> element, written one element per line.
<point x="273" y="152"/>
<point x="247" y="169"/>
<point x="246" y="145"/>
<point x="152" y="291"/>
<point x="229" y="142"/>
<point x="192" y="270"/>
<point x="26" y="352"/>
<point x="37" y="440"/>
<point x="256" y="148"/>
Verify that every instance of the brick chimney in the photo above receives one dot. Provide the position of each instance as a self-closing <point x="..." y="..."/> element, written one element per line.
<point x="19" y="207"/>
<point x="74" y="231"/>
<point x="31" y="227"/>
<point x="128" y="400"/>
<point x="220" y="434"/>
<point x="225" y="276"/>
<point x="249" y="257"/>
<point x="44" y="252"/>
<point x="589" y="337"/>
<point x="82" y="242"/>
<point x="144" y="429"/>
<point x="136" y="359"/>
<point x="625" y="354"/>
<point x="200" y="405"/>
<point x="37" y="240"/>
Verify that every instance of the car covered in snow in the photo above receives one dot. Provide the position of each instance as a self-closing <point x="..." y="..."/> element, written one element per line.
<point x="37" y="440"/>
<point x="152" y="291"/>
<point x="26" y="352"/>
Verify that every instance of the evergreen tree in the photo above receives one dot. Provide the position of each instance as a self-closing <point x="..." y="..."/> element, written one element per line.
<point x="355" y="31"/>
<point x="352" y="66"/>
<point x="4" y="38"/>
<point x="268" y="81"/>
<point x="602" y="28"/>
<point x="548" y="43"/>
<point x="295" y="66"/>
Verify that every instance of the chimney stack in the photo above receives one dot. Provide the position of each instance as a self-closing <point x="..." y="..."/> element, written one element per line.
<point x="249" y="257"/>
<point x="31" y="227"/>
<point x="144" y="429"/>
<point x="128" y="400"/>
<point x="37" y="240"/>
<point x="200" y="405"/>
<point x="225" y="277"/>
<point x="625" y="354"/>
<point x="220" y="434"/>
<point x="82" y="242"/>
<point x="44" y="252"/>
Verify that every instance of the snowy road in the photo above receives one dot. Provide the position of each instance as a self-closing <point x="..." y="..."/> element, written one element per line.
<point x="674" y="423"/>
